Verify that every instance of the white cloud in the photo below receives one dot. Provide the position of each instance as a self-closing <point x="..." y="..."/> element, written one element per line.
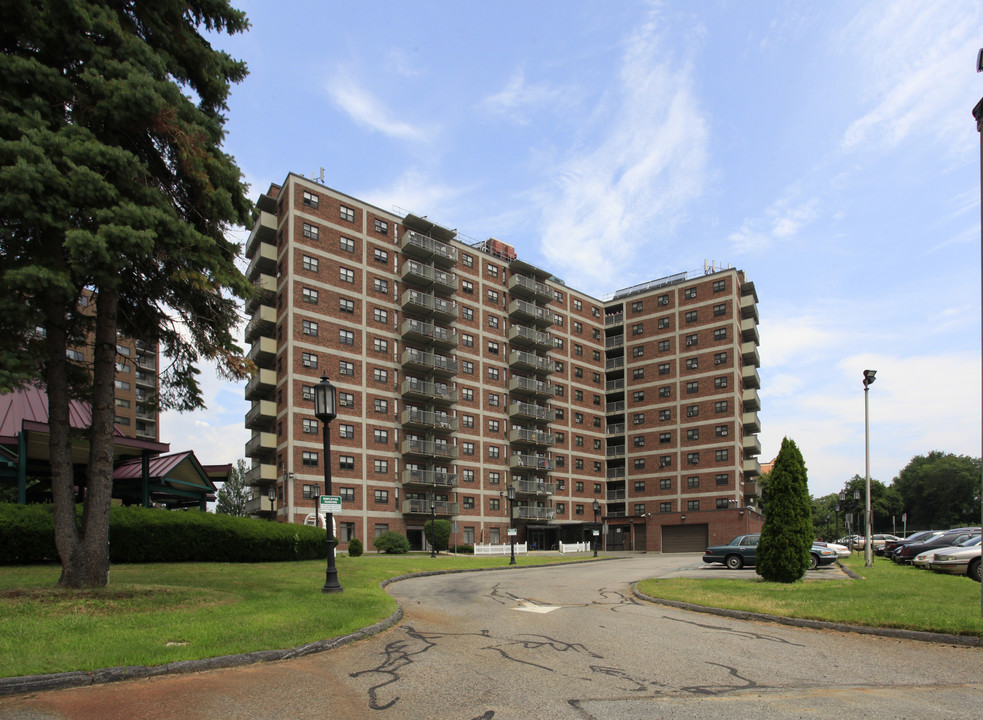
<point x="414" y="192"/>
<point x="519" y="97"/>
<point x="367" y="110"/>
<point x="217" y="434"/>
<point x="607" y="203"/>
<point x="782" y="221"/>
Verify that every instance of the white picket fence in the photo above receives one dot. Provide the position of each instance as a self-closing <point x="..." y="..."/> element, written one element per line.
<point x="505" y="549"/>
<point x="574" y="547"/>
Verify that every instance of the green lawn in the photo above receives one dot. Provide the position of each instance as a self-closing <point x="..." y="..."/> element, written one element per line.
<point x="890" y="596"/>
<point x="160" y="613"/>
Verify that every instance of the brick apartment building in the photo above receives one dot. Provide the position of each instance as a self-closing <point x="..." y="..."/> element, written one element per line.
<point x="462" y="369"/>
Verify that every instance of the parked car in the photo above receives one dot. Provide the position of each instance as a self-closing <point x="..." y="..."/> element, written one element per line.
<point x="891" y="548"/>
<point x="963" y="559"/>
<point x="841" y="550"/>
<point x="905" y="554"/>
<point x="742" y="551"/>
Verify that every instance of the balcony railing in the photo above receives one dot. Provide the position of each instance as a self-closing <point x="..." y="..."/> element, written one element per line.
<point x="537" y="412"/>
<point x="615" y="341"/>
<point x="616" y="429"/>
<point x="525" y="512"/>
<point x="437" y="392"/>
<point x="428" y="361"/>
<point x="527" y="360"/>
<point x="522" y="285"/>
<point x="533" y="437"/>
<point x="614" y="319"/>
<point x="429" y="448"/>
<point x="427" y="418"/>
<point x="531" y="386"/>
<point x="428" y="331"/>
<point x="420" y="506"/>
<point x="432" y="478"/>
<point x="426" y="247"/>
<point x="615" y="451"/>
<point x="539" y="315"/>
<point x="521" y="334"/>
<point x="530" y="462"/>
<point x="614" y="363"/>
<point x="615" y="407"/>
<point x="534" y="487"/>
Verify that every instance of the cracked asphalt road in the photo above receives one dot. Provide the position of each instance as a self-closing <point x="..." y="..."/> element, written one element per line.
<point x="564" y="642"/>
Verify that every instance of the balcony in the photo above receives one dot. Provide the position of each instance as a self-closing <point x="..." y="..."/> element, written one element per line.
<point x="522" y="310"/>
<point x="428" y="332"/>
<point x="261" y="445"/>
<point x="749" y="354"/>
<point x="264" y="231"/>
<point x="415" y="417"/>
<point x="526" y="512"/>
<point x="612" y="408"/>
<point x="424" y="303"/>
<point x="522" y="286"/>
<point x="614" y="341"/>
<point x="263" y="322"/>
<point x="422" y="507"/>
<point x="749" y="307"/>
<point x="749" y="331"/>
<point x="263" y="261"/>
<point x="752" y="468"/>
<point x="145" y="379"/>
<point x="261" y="474"/>
<point x="434" y="392"/>
<point x="426" y="248"/>
<point x="751" y="445"/>
<point x="428" y="362"/>
<point x="615" y="473"/>
<point x="751" y="401"/>
<point x="749" y="374"/>
<point x="264" y="288"/>
<point x="427" y="277"/>
<point x="261" y="415"/>
<point x="614" y="319"/>
<point x="530" y="462"/>
<point x="751" y="422"/>
<point x="258" y="505"/>
<point x="615" y="451"/>
<point x="616" y="495"/>
<point x="529" y="436"/>
<point x="616" y="429"/>
<point x="263" y="351"/>
<point x="428" y="448"/>
<point x="529" y="386"/>
<point x="431" y="478"/>
<point x="614" y="363"/>
<point x="538" y="364"/>
<point x="261" y="385"/>
<point x="612" y="385"/>
<point x="534" y="487"/>
<point x="523" y="336"/>
<point x="532" y="411"/>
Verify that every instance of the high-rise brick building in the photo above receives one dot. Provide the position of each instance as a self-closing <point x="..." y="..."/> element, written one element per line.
<point x="462" y="370"/>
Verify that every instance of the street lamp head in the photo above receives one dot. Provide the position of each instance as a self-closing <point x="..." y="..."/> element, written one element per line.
<point x="869" y="377"/>
<point x="856" y="494"/>
<point x="842" y="495"/>
<point x="597" y="506"/>
<point x="271" y="493"/>
<point x="510" y="493"/>
<point x="325" y="400"/>
<point x="979" y="61"/>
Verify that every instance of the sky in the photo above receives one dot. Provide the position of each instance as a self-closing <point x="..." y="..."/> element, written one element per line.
<point x="827" y="149"/>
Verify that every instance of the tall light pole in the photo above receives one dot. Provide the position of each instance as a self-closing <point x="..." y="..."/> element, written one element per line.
<point x="597" y="530"/>
<point x="868" y="540"/>
<point x="326" y="410"/>
<point x="978" y="116"/>
<point x="510" y="496"/>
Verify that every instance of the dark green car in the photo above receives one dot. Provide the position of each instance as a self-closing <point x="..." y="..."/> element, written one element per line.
<point x="742" y="550"/>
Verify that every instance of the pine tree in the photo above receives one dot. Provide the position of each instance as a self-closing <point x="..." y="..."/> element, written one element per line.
<point x="786" y="536"/>
<point x="114" y="188"/>
<point x="235" y="493"/>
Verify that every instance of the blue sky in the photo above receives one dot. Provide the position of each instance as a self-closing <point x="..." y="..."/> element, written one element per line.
<point x="826" y="148"/>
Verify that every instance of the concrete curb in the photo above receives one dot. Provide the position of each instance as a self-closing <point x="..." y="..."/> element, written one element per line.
<point x="82" y="678"/>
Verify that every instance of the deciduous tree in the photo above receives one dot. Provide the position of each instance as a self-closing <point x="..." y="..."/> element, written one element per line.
<point x="114" y="188"/>
<point x="940" y="490"/>
<point x="235" y="493"/>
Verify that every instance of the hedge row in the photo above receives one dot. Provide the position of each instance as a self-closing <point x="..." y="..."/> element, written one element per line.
<point x="141" y="535"/>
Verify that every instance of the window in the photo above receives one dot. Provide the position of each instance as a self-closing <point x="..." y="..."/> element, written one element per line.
<point x="493" y="348"/>
<point x="379" y="255"/>
<point x="693" y="458"/>
<point x="692" y="363"/>
<point x="380" y="466"/>
<point x="307" y="392"/>
<point x="637" y="306"/>
<point x="577" y="304"/>
<point x="346" y="214"/>
<point x="578" y="372"/>
<point x="638" y="396"/>
<point x="346" y="462"/>
<point x="719" y="310"/>
<point x="639" y="463"/>
<point x="494" y="478"/>
<point x="380" y="315"/>
<point x="347" y="244"/>
<point x="308" y="458"/>
<point x="663" y="300"/>
<point x="663" y="438"/>
<point x="665" y="346"/>
<point x="597" y="400"/>
<point x="380" y="375"/>
<point x="380" y="345"/>
<point x="120" y="402"/>
<point x="720" y="358"/>
<point x="346" y="368"/>
<point x="467" y="394"/>
<point x="467" y="340"/>
<point x="665" y="391"/>
<point x="638" y="329"/>
<point x="692" y="316"/>
<point x="309" y="426"/>
<point x="639" y="418"/>
<point x="494" y="451"/>
<point x="380" y="405"/>
<point x="693" y="339"/>
<point x="493" y="373"/>
<point x="638" y="351"/>
<point x="346" y="275"/>
<point x="467" y="367"/>
<point x="664" y="368"/>
<point x="597" y="488"/>
<point x="558" y="390"/>
<point x="381" y="437"/>
<point x="578" y="350"/>
<point x="345" y="305"/>
<point x="494" y="504"/>
<point x="558" y="366"/>
<point x="347" y="494"/>
<point x="692" y="410"/>
<point x="596" y="377"/>
<point x="722" y="455"/>
<point x="639" y="440"/>
<point x="665" y="415"/>
<point x="578" y="327"/>
<point x="578" y="418"/>
<point x="310" y="199"/>
<point x="639" y="508"/>
<point x="467" y="286"/>
<point x="467" y="448"/>
<point x="310" y="231"/>
<point x="493" y="297"/>
<point x="468" y="503"/>
<point x="467" y="313"/>
<point x="558" y="296"/>
<point x="380" y="285"/>
<point x="663" y="323"/>
<point x="310" y="491"/>
<point x="561" y="508"/>
<point x="722" y="503"/>
<point x="720" y="406"/>
<point x="309" y="327"/>
<point x="494" y="426"/>
<point x="346" y="431"/>
<point x="381" y="496"/>
<point x="381" y="226"/>
<point x="492" y="321"/>
<point x="690" y="293"/>
<point x="578" y="395"/>
<point x="693" y="505"/>
<point x="665" y="507"/>
<point x="309" y="295"/>
<point x="467" y="260"/>
<point x="309" y="360"/>
<point x="692" y="387"/>
<point x="493" y="399"/>
<point x="309" y="263"/>
<point x="721" y="430"/>
<point x="720" y="382"/>
<point x="720" y="334"/>
<point x="596" y="422"/>
<point x="693" y="434"/>
<point x="665" y="484"/>
<point x="346" y="399"/>
<point x="665" y="461"/>
<point x="467" y="475"/>
<point x="492" y="270"/>
<point x="719" y="285"/>
<point x="346" y="337"/>
<point x="723" y="479"/>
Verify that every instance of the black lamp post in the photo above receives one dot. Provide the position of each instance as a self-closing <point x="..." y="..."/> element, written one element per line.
<point x="272" y="496"/>
<point x="597" y="530"/>
<point x="316" y="497"/>
<point x="326" y="410"/>
<point x="868" y="529"/>
<point x="510" y="496"/>
<point x="433" y="522"/>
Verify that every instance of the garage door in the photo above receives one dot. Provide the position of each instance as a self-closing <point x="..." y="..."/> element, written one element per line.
<point x="684" y="538"/>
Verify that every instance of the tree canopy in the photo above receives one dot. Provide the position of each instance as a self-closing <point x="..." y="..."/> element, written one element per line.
<point x="940" y="490"/>
<point x="786" y="536"/>
<point x="115" y="197"/>
<point x="235" y="493"/>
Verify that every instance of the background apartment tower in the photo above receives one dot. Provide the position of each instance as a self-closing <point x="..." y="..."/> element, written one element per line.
<point x="463" y="370"/>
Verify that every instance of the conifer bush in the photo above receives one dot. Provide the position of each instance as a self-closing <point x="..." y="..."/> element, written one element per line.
<point x="786" y="536"/>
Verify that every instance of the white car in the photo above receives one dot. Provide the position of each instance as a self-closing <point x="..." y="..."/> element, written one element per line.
<point x="841" y="550"/>
<point x="924" y="560"/>
<point x="959" y="560"/>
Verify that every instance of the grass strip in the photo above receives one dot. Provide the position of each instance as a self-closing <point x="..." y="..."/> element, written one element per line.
<point x="155" y="614"/>
<point x="887" y="596"/>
